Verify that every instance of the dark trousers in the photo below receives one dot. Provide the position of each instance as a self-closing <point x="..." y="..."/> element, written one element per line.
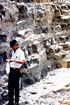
<point x="13" y="85"/>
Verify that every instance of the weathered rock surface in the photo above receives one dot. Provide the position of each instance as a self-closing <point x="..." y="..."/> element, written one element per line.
<point x="53" y="89"/>
<point x="42" y="31"/>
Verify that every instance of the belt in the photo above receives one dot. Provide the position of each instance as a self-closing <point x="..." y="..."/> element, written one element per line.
<point x="14" y="68"/>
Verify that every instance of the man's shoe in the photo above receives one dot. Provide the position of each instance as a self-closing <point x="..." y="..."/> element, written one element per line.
<point x="17" y="103"/>
<point x="10" y="104"/>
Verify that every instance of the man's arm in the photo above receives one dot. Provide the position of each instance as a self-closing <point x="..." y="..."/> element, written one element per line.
<point x="17" y="61"/>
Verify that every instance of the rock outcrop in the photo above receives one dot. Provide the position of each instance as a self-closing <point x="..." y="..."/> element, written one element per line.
<point x="42" y="31"/>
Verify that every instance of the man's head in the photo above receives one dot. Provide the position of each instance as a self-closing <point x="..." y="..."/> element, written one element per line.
<point x="14" y="44"/>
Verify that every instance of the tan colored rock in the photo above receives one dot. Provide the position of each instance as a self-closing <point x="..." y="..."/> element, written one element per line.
<point x="62" y="39"/>
<point x="59" y="55"/>
<point x="66" y="45"/>
<point x="58" y="28"/>
<point x="60" y="100"/>
<point x="54" y="49"/>
<point x="66" y="101"/>
<point x="57" y="13"/>
<point x="54" y="7"/>
<point x="65" y="13"/>
<point x="65" y="63"/>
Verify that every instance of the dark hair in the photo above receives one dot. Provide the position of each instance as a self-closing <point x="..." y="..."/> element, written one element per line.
<point x="13" y="43"/>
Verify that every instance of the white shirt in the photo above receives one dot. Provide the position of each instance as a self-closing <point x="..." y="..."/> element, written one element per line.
<point x="17" y="55"/>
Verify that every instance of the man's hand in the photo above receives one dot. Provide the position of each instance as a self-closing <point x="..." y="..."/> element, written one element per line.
<point x="9" y="60"/>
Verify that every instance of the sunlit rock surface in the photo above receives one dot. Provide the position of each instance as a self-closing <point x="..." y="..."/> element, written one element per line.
<point x="53" y="89"/>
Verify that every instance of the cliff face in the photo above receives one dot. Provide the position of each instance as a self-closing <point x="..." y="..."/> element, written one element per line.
<point x="43" y="32"/>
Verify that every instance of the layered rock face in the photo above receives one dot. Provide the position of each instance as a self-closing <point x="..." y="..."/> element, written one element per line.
<point x="43" y="32"/>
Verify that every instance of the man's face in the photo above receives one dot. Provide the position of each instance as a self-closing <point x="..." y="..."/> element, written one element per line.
<point x="14" y="47"/>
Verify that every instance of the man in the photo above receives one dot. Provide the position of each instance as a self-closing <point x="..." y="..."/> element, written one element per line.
<point x="16" y="62"/>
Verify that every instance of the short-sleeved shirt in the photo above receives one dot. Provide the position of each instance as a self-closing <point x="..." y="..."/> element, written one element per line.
<point x="17" y="55"/>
